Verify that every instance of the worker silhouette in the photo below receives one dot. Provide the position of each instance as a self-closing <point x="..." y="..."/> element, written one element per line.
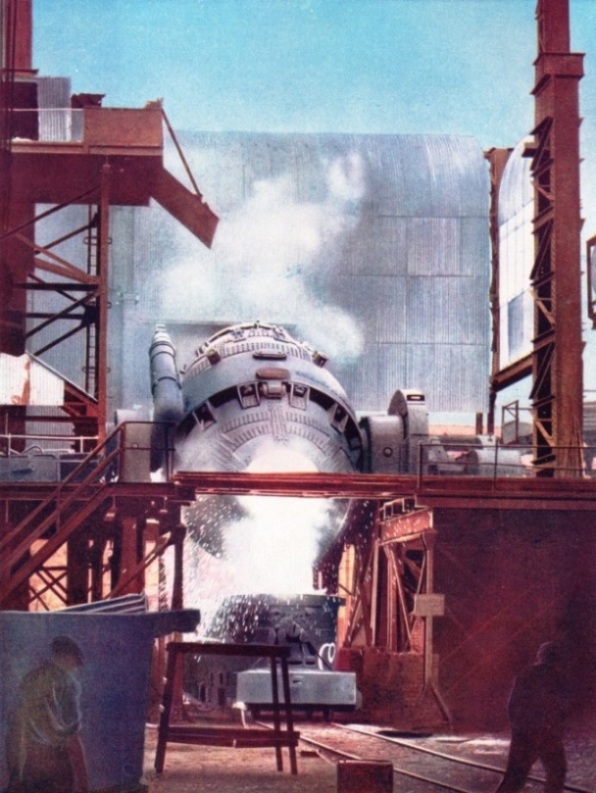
<point x="44" y="750"/>
<point x="538" y="707"/>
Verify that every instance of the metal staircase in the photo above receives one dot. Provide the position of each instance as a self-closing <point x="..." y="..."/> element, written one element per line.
<point x="86" y="502"/>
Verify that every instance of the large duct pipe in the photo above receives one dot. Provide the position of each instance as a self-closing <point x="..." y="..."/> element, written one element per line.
<point x="167" y="395"/>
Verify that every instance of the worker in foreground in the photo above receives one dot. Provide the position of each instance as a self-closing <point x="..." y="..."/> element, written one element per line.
<point x="538" y="708"/>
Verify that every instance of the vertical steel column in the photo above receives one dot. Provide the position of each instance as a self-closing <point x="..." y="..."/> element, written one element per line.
<point x="101" y="340"/>
<point x="16" y="260"/>
<point x="22" y="12"/>
<point x="84" y="571"/>
<point x="129" y="557"/>
<point x="557" y="393"/>
<point x="77" y="567"/>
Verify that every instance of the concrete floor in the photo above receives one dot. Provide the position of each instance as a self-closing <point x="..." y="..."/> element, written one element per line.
<point x="208" y="769"/>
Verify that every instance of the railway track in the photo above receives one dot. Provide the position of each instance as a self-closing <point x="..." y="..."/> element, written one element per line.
<point x="420" y="764"/>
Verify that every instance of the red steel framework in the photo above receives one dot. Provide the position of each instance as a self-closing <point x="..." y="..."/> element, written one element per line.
<point x="117" y="161"/>
<point x="555" y="362"/>
<point x="121" y="526"/>
<point x="557" y="392"/>
<point x="497" y="159"/>
<point x="591" y="278"/>
<point x="95" y="534"/>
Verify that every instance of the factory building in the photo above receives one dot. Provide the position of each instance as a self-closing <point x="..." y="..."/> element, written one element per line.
<point x="372" y="248"/>
<point x="373" y="323"/>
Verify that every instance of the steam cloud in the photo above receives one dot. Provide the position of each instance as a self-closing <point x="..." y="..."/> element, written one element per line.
<point x="269" y="260"/>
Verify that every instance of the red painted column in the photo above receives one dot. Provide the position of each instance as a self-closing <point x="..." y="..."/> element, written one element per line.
<point x="557" y="392"/>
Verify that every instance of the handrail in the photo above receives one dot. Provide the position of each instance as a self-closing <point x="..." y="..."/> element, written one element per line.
<point x="61" y="487"/>
<point x="76" y="441"/>
<point x="27" y="531"/>
<point x="24" y="533"/>
<point x="498" y="461"/>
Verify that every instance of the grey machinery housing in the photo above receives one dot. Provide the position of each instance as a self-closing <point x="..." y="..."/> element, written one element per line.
<point x="253" y="391"/>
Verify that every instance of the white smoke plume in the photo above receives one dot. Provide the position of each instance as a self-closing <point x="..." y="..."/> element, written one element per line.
<point x="270" y="258"/>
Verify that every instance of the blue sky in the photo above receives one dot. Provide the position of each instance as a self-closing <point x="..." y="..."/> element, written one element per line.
<point x="378" y="66"/>
<point x="382" y="66"/>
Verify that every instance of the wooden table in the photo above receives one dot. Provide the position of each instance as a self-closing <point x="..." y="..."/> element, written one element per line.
<point x="241" y="737"/>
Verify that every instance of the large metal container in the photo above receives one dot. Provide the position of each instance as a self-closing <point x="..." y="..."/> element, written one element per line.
<point x="274" y="618"/>
<point x="116" y="654"/>
<point x="305" y="622"/>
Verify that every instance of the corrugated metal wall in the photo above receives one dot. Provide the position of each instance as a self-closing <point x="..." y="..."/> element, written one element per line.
<point x="516" y="251"/>
<point x="375" y="249"/>
<point x="55" y="113"/>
